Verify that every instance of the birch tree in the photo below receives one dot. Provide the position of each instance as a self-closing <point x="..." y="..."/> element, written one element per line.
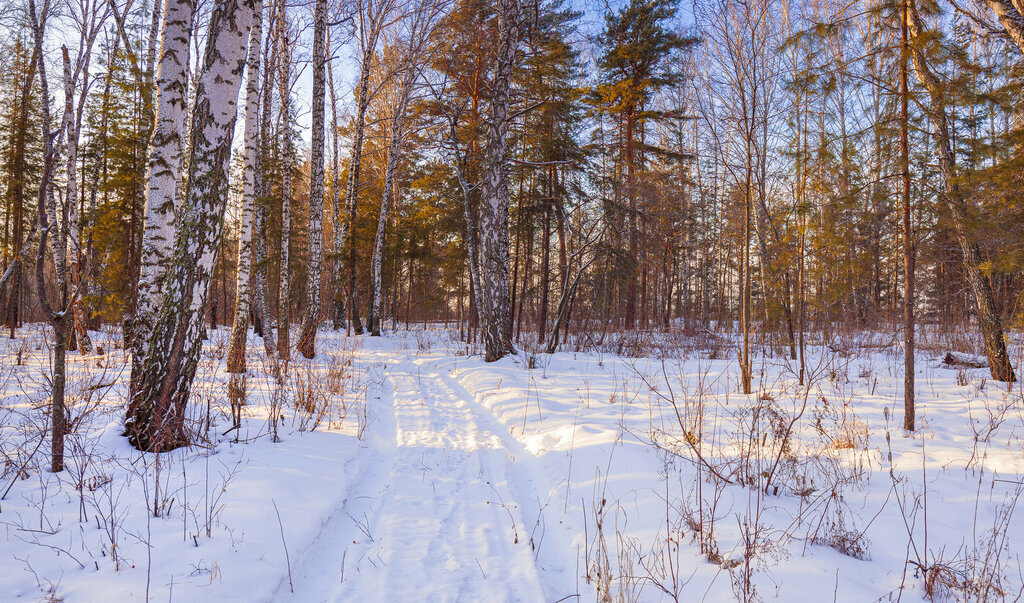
<point x="284" y="81"/>
<point x="336" y="310"/>
<point x="371" y="16"/>
<point x="307" y="339"/>
<point x="90" y="19"/>
<point x="494" y="206"/>
<point x="156" y="412"/>
<point x="47" y="220"/>
<point x="165" y="161"/>
<point x="243" y="289"/>
<point x="422" y="20"/>
<point x="259" y="244"/>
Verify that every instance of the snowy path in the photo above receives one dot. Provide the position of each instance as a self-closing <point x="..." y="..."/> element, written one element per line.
<point x="436" y="509"/>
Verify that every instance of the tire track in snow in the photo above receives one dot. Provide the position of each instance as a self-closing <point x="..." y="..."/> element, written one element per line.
<point x="557" y="557"/>
<point x="319" y="567"/>
<point x="446" y="525"/>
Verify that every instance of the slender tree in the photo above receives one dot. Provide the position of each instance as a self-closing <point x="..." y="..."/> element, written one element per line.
<point x="307" y="340"/>
<point x="250" y="175"/>
<point x="285" y="80"/>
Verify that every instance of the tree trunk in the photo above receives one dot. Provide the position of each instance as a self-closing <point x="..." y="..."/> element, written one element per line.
<point x="243" y="293"/>
<point x="156" y="414"/>
<point x="337" y="307"/>
<point x="165" y="161"/>
<point x="307" y="340"/>
<point x="259" y="244"/>
<point x="908" y="235"/>
<point x="394" y="154"/>
<point x="373" y="21"/>
<point x="284" y="305"/>
<point x="71" y="203"/>
<point x="494" y="208"/>
<point x="952" y="195"/>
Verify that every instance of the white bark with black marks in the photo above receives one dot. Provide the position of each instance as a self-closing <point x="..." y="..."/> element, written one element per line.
<point x="165" y="161"/>
<point x="307" y="339"/>
<point x="71" y="202"/>
<point x="284" y="307"/>
<point x="261" y="266"/>
<point x="243" y="292"/>
<point x="494" y="206"/>
<point x="156" y="413"/>
<point x="372" y="15"/>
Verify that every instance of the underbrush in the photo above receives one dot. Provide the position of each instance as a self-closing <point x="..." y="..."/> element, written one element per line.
<point x="113" y="507"/>
<point x="749" y="482"/>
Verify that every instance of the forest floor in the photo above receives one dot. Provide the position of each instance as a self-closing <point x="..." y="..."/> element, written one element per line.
<point x="407" y="469"/>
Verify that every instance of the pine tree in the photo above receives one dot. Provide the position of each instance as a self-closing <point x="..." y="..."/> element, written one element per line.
<point x="22" y="171"/>
<point x="635" y="45"/>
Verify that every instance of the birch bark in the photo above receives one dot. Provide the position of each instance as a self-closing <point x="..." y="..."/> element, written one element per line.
<point x="284" y="307"/>
<point x="259" y="250"/>
<point x="394" y="155"/>
<point x="494" y="208"/>
<point x="337" y="311"/>
<point x="71" y="203"/>
<point x="165" y="159"/>
<point x="307" y="340"/>
<point x="371" y="20"/>
<point x="155" y="417"/>
<point x="240" y="326"/>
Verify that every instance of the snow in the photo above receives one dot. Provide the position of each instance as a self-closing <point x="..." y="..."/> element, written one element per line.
<point x="577" y="476"/>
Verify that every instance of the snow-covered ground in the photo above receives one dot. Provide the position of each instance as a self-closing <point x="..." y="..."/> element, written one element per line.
<point x="407" y="469"/>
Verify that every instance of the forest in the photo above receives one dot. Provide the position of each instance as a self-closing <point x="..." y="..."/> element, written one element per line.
<point x="503" y="300"/>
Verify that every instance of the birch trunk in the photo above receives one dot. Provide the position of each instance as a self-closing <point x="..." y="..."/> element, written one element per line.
<point x="1009" y="13"/>
<point x="46" y="210"/>
<point x="259" y="248"/>
<point x="371" y="17"/>
<point x="394" y="154"/>
<point x="352" y="193"/>
<point x="337" y="311"/>
<point x="156" y="412"/>
<point x="283" y="313"/>
<point x="307" y="340"/>
<point x="165" y="160"/>
<point x="154" y="34"/>
<point x="494" y="209"/>
<point x="240" y="326"/>
<point x="84" y="344"/>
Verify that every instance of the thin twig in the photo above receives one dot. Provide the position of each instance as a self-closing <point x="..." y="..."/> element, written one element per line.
<point x="287" y="559"/>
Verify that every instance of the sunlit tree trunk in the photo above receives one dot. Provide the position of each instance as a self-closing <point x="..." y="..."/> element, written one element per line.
<point x="243" y="290"/>
<point x="78" y="317"/>
<point x="156" y="413"/>
<point x="46" y="207"/>
<point x="494" y="206"/>
<point x="394" y="154"/>
<point x="307" y="339"/>
<point x="952" y="195"/>
<point x="165" y="161"/>
<point x="337" y="300"/>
